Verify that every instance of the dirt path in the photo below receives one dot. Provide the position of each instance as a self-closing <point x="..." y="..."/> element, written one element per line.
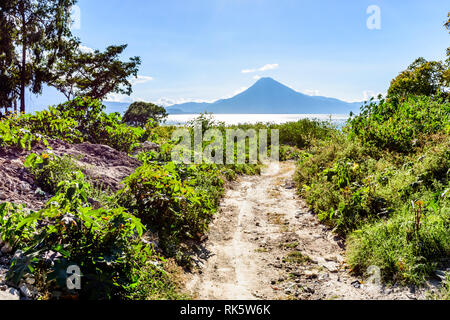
<point x="266" y="244"/>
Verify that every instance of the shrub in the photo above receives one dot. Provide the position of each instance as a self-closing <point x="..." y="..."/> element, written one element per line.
<point x="176" y="201"/>
<point x="400" y="125"/>
<point x="402" y="251"/>
<point x="105" y="244"/>
<point x="139" y="113"/>
<point x="49" y="170"/>
<point x="76" y="121"/>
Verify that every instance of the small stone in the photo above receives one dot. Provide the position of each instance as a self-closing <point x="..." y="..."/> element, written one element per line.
<point x="356" y="284"/>
<point x="30" y="281"/>
<point x="2" y="196"/>
<point x="6" y="248"/>
<point x="440" y="274"/>
<point x="273" y="282"/>
<point x="308" y="290"/>
<point x="310" y="274"/>
<point x="324" y="276"/>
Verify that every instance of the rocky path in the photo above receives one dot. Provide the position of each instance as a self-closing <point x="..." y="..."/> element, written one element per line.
<point x="266" y="244"/>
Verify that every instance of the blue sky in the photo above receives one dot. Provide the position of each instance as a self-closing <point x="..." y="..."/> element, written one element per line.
<point x="197" y="50"/>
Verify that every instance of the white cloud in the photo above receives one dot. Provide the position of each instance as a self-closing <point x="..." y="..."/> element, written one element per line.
<point x="256" y="77"/>
<point x="310" y="92"/>
<point x="85" y="49"/>
<point x="371" y="94"/>
<point x="115" y="97"/>
<point x="263" y="68"/>
<point x="166" y="102"/>
<point x="140" y="80"/>
<point x="238" y="91"/>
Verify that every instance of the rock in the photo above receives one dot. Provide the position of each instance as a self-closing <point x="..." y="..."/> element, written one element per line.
<point x="331" y="266"/>
<point x="289" y="185"/>
<point x="308" y="290"/>
<point x="324" y="276"/>
<point x="273" y="282"/>
<point x="6" y="248"/>
<point x="8" y="295"/>
<point x="30" y="281"/>
<point x="440" y="274"/>
<point x="39" y="192"/>
<point x="310" y="274"/>
<point x="146" y="147"/>
<point x="94" y="203"/>
<point x="2" y="196"/>
<point x="356" y="284"/>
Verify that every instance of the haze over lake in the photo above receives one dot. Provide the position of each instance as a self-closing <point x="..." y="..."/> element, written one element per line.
<point x="232" y="119"/>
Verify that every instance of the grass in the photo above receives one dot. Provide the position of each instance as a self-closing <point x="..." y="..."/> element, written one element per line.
<point x="296" y="257"/>
<point x="384" y="184"/>
<point x="291" y="245"/>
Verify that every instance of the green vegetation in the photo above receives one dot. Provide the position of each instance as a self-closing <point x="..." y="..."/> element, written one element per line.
<point x="296" y="257"/>
<point x="383" y="182"/>
<point x="76" y="121"/>
<point x="177" y="201"/>
<point x="103" y="233"/>
<point x="139" y="113"/>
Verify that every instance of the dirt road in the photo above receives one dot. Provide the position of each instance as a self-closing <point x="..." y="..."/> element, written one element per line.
<point x="266" y="244"/>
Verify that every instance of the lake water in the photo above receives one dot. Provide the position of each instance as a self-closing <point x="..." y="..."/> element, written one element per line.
<point x="232" y="119"/>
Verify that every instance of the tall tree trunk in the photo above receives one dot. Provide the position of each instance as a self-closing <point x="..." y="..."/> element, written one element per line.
<point x="15" y="105"/>
<point x="23" y="79"/>
<point x="24" y="60"/>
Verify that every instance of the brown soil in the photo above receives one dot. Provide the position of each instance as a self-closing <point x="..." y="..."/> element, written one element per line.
<point x="105" y="166"/>
<point x="266" y="244"/>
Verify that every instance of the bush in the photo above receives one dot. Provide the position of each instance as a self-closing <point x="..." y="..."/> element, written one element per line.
<point x="76" y="121"/>
<point x="49" y="170"/>
<point x="139" y="113"/>
<point x="176" y="201"/>
<point x="401" y="125"/>
<point x="105" y="244"/>
<point x="363" y="183"/>
<point x="403" y="251"/>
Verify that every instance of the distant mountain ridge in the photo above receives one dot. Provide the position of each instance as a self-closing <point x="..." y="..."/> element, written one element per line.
<point x="270" y="97"/>
<point x="266" y="96"/>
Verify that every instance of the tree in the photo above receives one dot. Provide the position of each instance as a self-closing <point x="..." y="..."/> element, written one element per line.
<point x="446" y="74"/>
<point x="422" y="77"/>
<point x="94" y="74"/>
<point x="138" y="113"/>
<point x="38" y="30"/>
<point x="8" y="64"/>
